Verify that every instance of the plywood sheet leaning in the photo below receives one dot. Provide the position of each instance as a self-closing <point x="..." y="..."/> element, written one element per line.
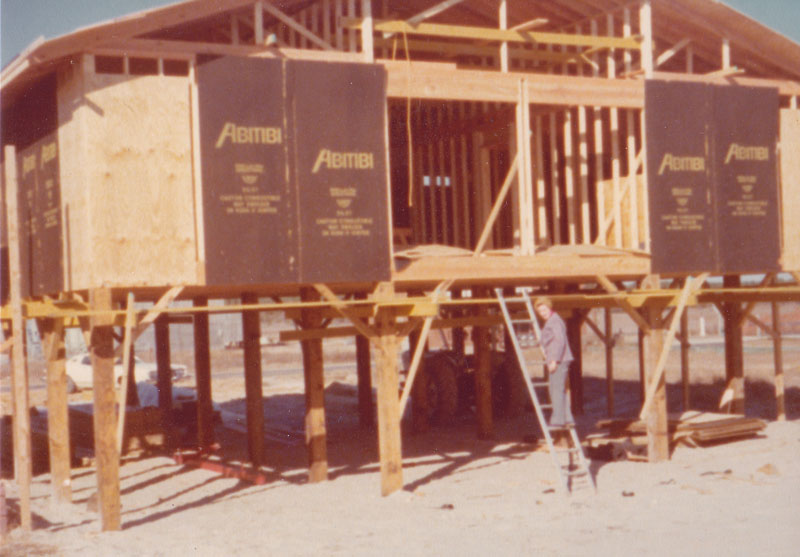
<point x="790" y="187"/>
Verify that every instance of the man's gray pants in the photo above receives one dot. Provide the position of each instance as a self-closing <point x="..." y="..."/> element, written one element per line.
<point x="562" y="413"/>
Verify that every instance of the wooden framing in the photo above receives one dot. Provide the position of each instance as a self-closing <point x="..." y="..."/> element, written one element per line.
<point x="52" y="332"/>
<point x="251" y="333"/>
<point x="502" y="35"/>
<point x="23" y="464"/>
<point x="538" y="99"/>
<point x="316" y="436"/>
<point x="202" y="367"/>
<point x="104" y="415"/>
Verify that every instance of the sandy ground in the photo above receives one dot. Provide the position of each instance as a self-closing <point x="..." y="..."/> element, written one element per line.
<point x="461" y="496"/>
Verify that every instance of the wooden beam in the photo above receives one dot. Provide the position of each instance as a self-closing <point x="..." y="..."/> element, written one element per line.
<point x="672" y="51"/>
<point x="23" y="463"/>
<point x="785" y="87"/>
<point x="52" y="334"/>
<point x="609" y="345"/>
<point x="251" y="333"/>
<point x="366" y="407"/>
<point x="367" y="42"/>
<point x="389" y="439"/>
<point x="684" y="339"/>
<point x="583" y="174"/>
<point x="610" y="287"/>
<point x="657" y="372"/>
<point x="573" y="323"/>
<point x="734" y="348"/>
<point x="432" y="80"/>
<point x="258" y="23"/>
<point x="440" y="289"/>
<point x="481" y="338"/>
<point x="500" y="35"/>
<point x="503" y="18"/>
<point x="602" y="336"/>
<point x="292" y="24"/>
<point x="655" y="412"/>
<point x="646" y="32"/>
<point x="164" y="379"/>
<point x="527" y="230"/>
<point x="202" y="372"/>
<point x="105" y="446"/>
<point x="777" y="350"/>
<point x="127" y="343"/>
<point x="313" y="373"/>
<point x="346" y="312"/>
<point x="761" y="325"/>
<point x="434" y="10"/>
<point x="768" y="279"/>
<point x="152" y="314"/>
<point x="455" y="50"/>
<point x="498" y="204"/>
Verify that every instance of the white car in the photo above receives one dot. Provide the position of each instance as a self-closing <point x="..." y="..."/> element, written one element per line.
<point x="79" y="372"/>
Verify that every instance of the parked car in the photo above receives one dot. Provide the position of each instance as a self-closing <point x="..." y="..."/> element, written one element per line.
<point x="79" y="372"/>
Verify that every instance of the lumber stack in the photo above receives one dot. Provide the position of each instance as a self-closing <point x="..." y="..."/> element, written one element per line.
<point x="693" y="428"/>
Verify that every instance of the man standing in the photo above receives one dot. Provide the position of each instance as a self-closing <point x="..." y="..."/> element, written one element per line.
<point x="557" y="358"/>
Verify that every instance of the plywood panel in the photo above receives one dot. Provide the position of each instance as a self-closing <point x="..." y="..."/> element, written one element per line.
<point x="75" y="192"/>
<point x="247" y="206"/>
<point x="139" y="173"/>
<point x="790" y="187"/>
<point x="745" y="176"/>
<point x="677" y="123"/>
<point x="339" y="170"/>
<point x="40" y="218"/>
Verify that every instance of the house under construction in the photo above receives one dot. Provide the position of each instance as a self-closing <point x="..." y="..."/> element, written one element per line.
<point x="390" y="163"/>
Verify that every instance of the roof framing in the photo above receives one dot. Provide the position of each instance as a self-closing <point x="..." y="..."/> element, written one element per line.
<point x="464" y="31"/>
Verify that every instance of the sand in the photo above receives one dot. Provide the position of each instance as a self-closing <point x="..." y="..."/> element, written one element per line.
<point x="461" y="496"/>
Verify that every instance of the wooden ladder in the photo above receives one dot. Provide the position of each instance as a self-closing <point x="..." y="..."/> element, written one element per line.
<point x="570" y="462"/>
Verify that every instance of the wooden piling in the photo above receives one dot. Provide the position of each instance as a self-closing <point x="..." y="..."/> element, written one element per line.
<point x="389" y="439"/>
<point x="164" y="379"/>
<point x="105" y="421"/>
<point x="251" y="331"/>
<point x="777" y="349"/>
<point x="52" y="333"/>
<point x="23" y="466"/>
<point x="656" y="418"/>
<point x="574" y="326"/>
<point x="366" y="407"/>
<point x="609" y="345"/>
<point x="313" y="372"/>
<point x="481" y="340"/>
<point x="684" y="340"/>
<point x="202" y="371"/>
<point x="734" y="347"/>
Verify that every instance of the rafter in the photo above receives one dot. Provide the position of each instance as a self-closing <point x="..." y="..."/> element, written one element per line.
<point x="302" y="30"/>
<point x="672" y="51"/>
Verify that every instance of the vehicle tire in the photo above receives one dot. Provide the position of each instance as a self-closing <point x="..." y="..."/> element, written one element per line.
<point x="441" y="388"/>
<point x="71" y="386"/>
<point x="509" y="393"/>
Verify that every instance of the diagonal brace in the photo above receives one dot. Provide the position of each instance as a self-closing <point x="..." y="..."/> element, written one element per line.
<point x="689" y="288"/>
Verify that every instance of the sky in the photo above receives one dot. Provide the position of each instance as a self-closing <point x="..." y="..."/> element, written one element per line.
<point x="22" y="21"/>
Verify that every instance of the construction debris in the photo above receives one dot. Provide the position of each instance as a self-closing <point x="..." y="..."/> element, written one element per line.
<point x="625" y="438"/>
